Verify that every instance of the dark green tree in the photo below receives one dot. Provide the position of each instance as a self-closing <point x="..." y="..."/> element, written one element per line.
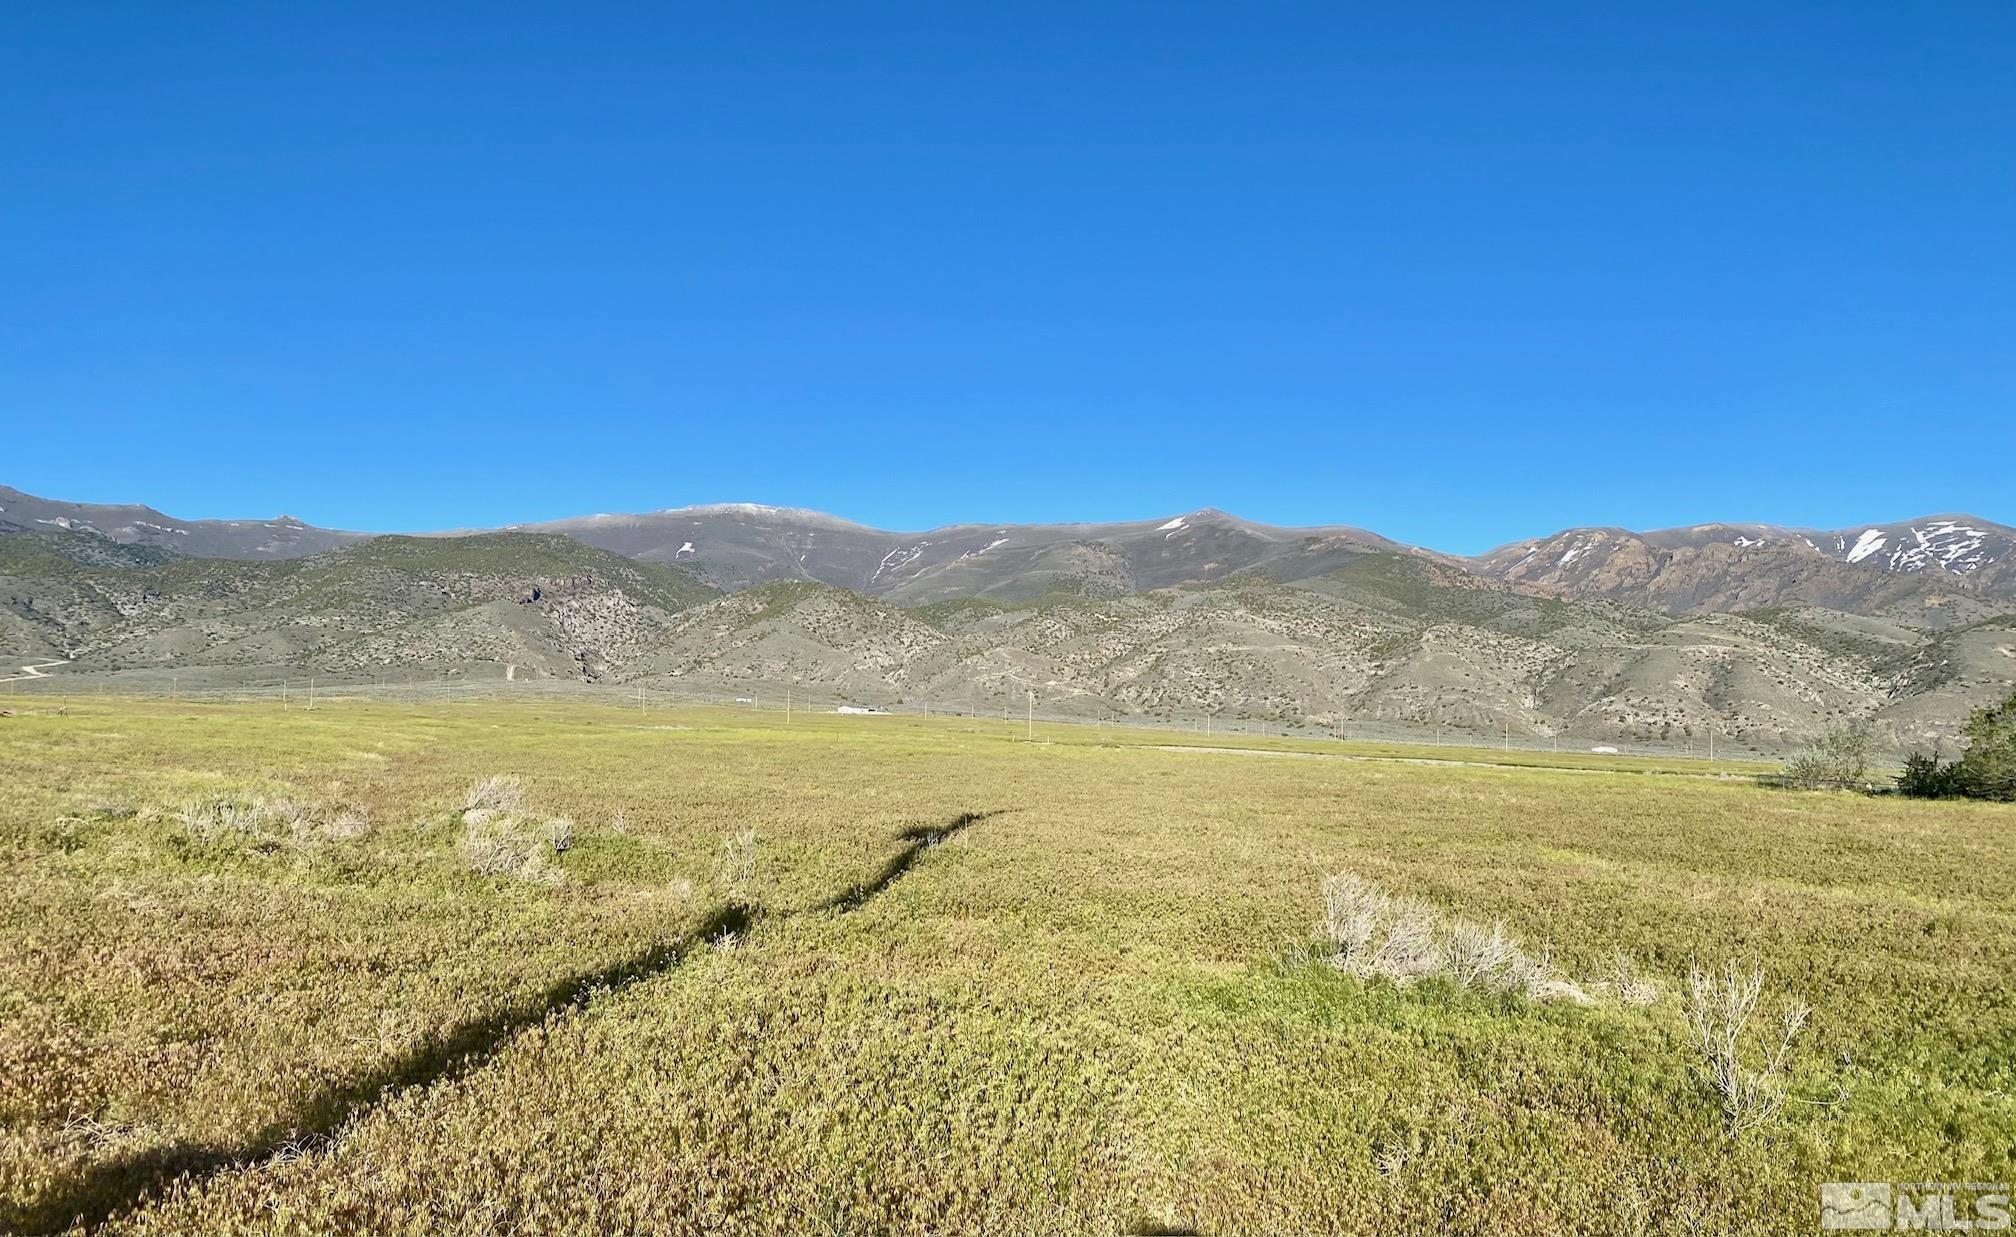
<point x="1986" y="770"/>
<point x="1989" y="765"/>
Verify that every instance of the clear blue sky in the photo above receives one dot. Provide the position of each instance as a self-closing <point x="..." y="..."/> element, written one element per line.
<point x="1458" y="273"/>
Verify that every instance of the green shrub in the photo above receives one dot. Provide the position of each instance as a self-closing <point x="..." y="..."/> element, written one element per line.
<point x="1987" y="770"/>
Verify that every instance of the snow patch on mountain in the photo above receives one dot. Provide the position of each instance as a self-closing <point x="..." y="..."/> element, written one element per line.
<point x="1870" y="542"/>
<point x="1946" y="544"/>
<point x="998" y="541"/>
<point x="897" y="559"/>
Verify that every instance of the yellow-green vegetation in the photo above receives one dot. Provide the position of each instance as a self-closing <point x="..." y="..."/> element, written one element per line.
<point x="704" y="971"/>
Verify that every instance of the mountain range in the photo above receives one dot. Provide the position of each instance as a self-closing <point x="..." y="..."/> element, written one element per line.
<point x="1759" y="631"/>
<point x="1704" y="567"/>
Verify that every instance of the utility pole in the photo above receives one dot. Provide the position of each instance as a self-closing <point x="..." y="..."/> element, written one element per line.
<point x="1032" y="715"/>
<point x="311" y="691"/>
<point x="1508" y="734"/>
<point x="640" y="699"/>
<point x="1711" y="744"/>
<point x="787" y="704"/>
<point x="283" y="694"/>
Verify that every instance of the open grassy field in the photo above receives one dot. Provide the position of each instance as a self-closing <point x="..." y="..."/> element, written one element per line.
<point x="261" y="972"/>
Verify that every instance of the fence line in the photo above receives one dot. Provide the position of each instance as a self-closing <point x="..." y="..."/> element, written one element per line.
<point x="299" y="691"/>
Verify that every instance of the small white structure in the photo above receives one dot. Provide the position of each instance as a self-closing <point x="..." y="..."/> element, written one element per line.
<point x="855" y="708"/>
<point x="1604" y="751"/>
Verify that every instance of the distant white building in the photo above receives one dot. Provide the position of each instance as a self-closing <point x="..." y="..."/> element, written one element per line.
<point x="855" y="708"/>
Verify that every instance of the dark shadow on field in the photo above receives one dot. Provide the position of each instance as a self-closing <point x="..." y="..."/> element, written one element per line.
<point x="125" y="1183"/>
<point x="917" y="840"/>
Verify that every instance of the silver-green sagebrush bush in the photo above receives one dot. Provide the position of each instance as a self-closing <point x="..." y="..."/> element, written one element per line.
<point x="1838" y="758"/>
<point x="1368" y="932"/>
<point x="501" y="838"/>
<point x="1721" y="1005"/>
<point x="261" y="823"/>
<point x="735" y="874"/>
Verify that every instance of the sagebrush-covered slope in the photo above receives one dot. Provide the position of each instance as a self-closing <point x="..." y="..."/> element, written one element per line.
<point x="1386" y="637"/>
<point x="545" y="603"/>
